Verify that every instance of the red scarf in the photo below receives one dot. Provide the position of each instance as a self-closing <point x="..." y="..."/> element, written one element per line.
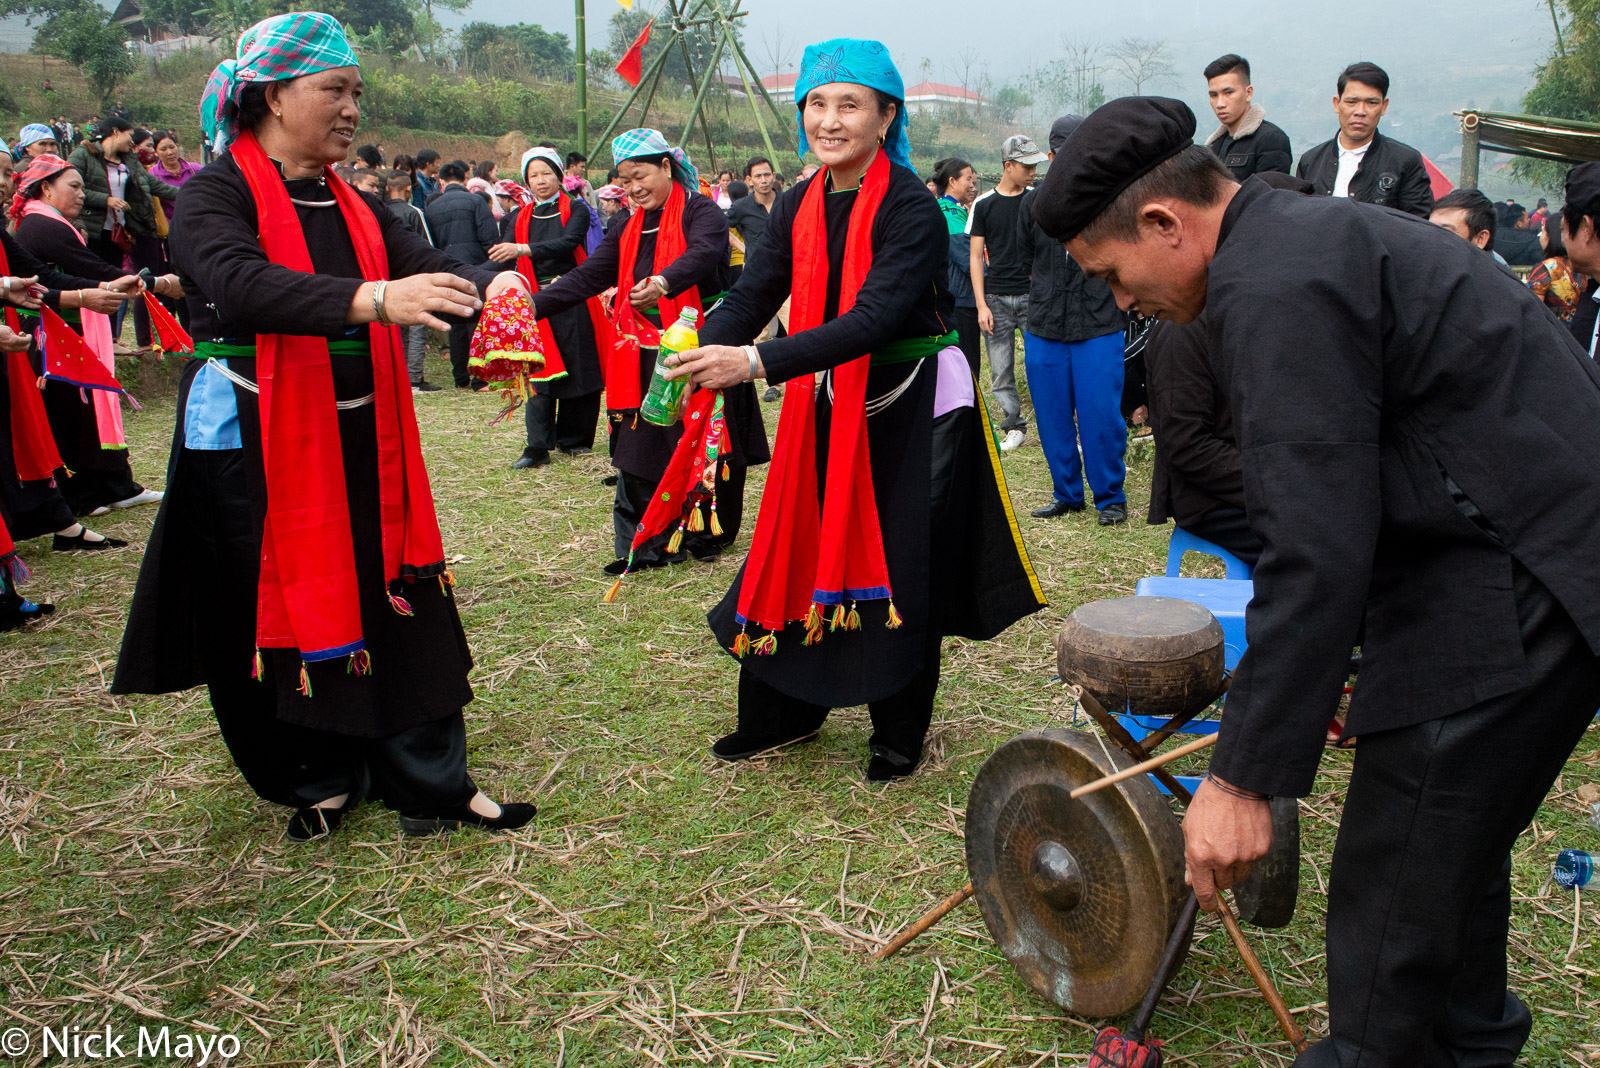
<point x="632" y="329"/>
<point x="554" y="364"/>
<point x="802" y="560"/>
<point x="307" y="597"/>
<point x="32" y="445"/>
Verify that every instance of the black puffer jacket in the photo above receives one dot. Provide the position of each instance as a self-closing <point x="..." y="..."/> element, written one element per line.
<point x="462" y="224"/>
<point x="1391" y="175"/>
<point x="1064" y="304"/>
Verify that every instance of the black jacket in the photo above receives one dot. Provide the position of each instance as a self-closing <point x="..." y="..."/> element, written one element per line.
<point x="1520" y="248"/>
<point x="1391" y="175"/>
<point x="1410" y="419"/>
<point x="462" y="224"/>
<point x="1064" y="304"/>
<point x="1258" y="146"/>
<point x="1198" y="467"/>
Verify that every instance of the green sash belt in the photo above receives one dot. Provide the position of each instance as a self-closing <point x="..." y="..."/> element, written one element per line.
<point x="224" y="350"/>
<point x="905" y="349"/>
<point x="67" y="314"/>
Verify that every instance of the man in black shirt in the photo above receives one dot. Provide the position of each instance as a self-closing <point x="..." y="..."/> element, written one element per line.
<point x="1580" y="216"/>
<point x="463" y="226"/>
<point x="749" y="214"/>
<point x="1361" y="163"/>
<point x="1246" y="142"/>
<point x="1000" y="278"/>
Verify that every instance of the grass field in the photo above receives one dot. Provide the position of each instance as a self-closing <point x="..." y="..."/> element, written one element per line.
<point x="663" y="908"/>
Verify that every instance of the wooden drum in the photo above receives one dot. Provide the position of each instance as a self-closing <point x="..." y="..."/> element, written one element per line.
<point x="1151" y="656"/>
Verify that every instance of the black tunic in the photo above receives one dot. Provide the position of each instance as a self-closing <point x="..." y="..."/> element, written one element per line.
<point x="553" y="248"/>
<point x="1197" y="467"/>
<point x="100" y="476"/>
<point x="642" y="448"/>
<point x="193" y="615"/>
<point x="1411" y="419"/>
<point x="973" y="581"/>
<point x="35" y="507"/>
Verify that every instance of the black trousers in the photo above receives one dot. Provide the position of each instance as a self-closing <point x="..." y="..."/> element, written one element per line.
<point x="420" y="770"/>
<point x="899" y="723"/>
<point x="460" y="345"/>
<point x="1226" y="527"/>
<point x="968" y="337"/>
<point x="1420" y="897"/>
<point x="566" y="423"/>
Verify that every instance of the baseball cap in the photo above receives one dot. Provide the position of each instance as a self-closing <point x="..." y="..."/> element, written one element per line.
<point x="1021" y="149"/>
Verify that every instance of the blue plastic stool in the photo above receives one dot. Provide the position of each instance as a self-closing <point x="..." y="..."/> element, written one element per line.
<point x="1224" y="598"/>
<point x="1184" y="542"/>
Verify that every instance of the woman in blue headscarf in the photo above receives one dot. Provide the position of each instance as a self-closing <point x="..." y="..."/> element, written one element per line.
<point x="885" y="525"/>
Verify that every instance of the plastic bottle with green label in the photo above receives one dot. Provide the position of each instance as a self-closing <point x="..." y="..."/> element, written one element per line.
<point x="663" y="404"/>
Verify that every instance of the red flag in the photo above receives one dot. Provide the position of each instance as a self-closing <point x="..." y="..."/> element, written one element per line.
<point x="172" y="336"/>
<point x="631" y="66"/>
<point x="67" y="358"/>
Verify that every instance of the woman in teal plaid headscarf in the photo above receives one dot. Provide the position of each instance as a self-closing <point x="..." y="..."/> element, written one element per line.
<point x="649" y="144"/>
<point x="273" y="50"/>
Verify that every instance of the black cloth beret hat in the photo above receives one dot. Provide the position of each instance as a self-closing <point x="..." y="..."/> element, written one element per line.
<point x="1119" y="143"/>
<point x="1583" y="193"/>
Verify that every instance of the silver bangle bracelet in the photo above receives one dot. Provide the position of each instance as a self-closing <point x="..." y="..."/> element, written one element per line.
<point x="377" y="302"/>
<point x="755" y="362"/>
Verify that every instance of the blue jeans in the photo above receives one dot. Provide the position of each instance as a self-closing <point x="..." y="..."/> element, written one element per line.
<point x="1077" y="393"/>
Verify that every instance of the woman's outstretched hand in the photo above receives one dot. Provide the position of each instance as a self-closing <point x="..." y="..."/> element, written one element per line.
<point x="713" y="367"/>
<point x="422" y="298"/>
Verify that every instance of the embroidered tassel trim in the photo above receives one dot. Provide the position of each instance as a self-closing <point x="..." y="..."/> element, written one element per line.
<point x="852" y="621"/>
<point x="305" y="680"/>
<point x="716" y="527"/>
<point x="894" y="617"/>
<point x="741" y="644"/>
<point x="360" y="663"/>
<point x="765" y="646"/>
<point x="838" y="617"/>
<point x="676" y="541"/>
<point x="401" y="605"/>
<point x="697" y="520"/>
<point x="258" y="667"/>
<point x="813" y="625"/>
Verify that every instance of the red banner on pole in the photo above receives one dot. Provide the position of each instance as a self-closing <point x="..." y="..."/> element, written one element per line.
<point x="631" y="66"/>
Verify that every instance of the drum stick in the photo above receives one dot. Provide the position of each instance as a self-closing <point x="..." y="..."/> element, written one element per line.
<point x="1291" y="1031"/>
<point x="938" y="912"/>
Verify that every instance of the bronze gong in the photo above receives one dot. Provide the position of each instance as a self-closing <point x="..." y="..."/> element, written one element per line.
<point x="1153" y="656"/>
<point x="1080" y="895"/>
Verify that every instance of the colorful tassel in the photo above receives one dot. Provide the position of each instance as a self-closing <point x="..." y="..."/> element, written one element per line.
<point x="716" y="527"/>
<point x="305" y="679"/>
<point x="697" y="520"/>
<point x="616" y="587"/>
<point x="400" y="604"/>
<point x="360" y="663"/>
<point x="676" y="541"/>
<point x="450" y="576"/>
<point x="18" y="570"/>
<point x="838" y="617"/>
<point x="765" y="646"/>
<point x="741" y="645"/>
<point x="852" y="621"/>
<point x="258" y="667"/>
<point x="894" y="618"/>
<point x="724" y="472"/>
<point x="813" y="625"/>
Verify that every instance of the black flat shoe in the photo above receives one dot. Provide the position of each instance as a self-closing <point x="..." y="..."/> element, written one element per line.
<point x="581" y="450"/>
<point x="512" y="815"/>
<point x="742" y="746"/>
<point x="1055" y="508"/>
<point x="609" y="480"/>
<point x="534" y="458"/>
<point x="309" y="823"/>
<point x="1112" y="514"/>
<point x="80" y="543"/>
<point x="23" y="614"/>
<point x="882" y="768"/>
<point x="615" y="567"/>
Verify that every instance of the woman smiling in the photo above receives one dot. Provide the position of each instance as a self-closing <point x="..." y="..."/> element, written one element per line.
<point x="299" y="531"/>
<point x="884" y="525"/>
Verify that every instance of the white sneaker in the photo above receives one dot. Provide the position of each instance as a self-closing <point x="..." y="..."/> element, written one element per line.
<point x="147" y="497"/>
<point x="1012" y="439"/>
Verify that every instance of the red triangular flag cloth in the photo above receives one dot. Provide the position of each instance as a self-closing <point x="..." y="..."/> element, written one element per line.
<point x="800" y="561"/>
<point x="33" y="446"/>
<point x="597" y="309"/>
<point x="68" y="358"/>
<point x="690" y="482"/>
<point x="630" y="68"/>
<point x="170" y="333"/>
<point x="307" y="597"/>
<point x="507" y="347"/>
<point x="632" y="330"/>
